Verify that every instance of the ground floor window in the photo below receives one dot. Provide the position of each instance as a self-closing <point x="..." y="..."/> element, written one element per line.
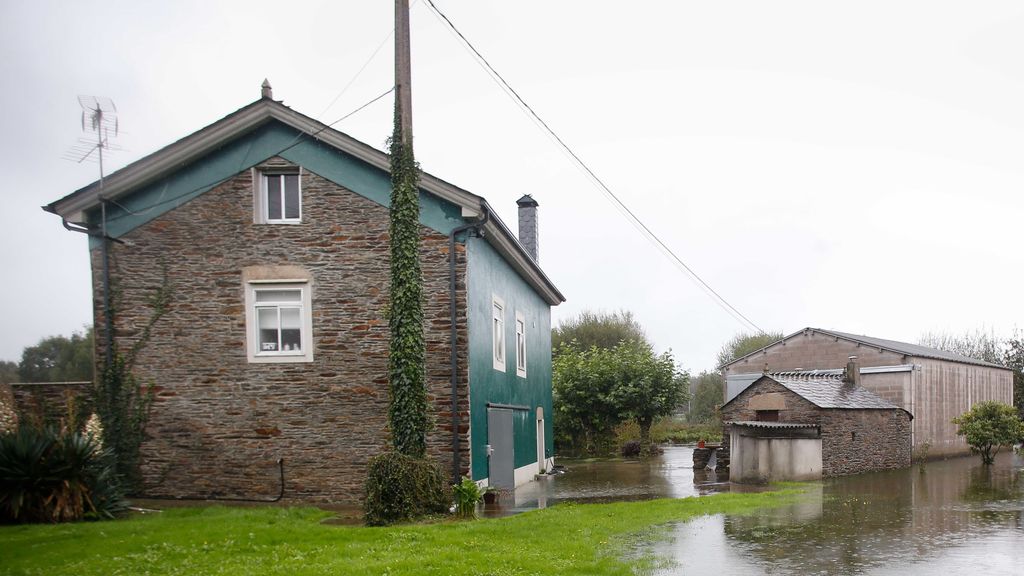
<point x="278" y="322"/>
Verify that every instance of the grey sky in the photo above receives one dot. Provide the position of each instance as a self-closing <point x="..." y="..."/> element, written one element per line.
<point x="851" y="167"/>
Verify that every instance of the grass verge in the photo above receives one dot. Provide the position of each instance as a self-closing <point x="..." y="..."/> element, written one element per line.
<point x="565" y="539"/>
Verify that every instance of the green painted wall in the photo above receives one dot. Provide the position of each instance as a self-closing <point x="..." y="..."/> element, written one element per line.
<point x="271" y="139"/>
<point x="489" y="275"/>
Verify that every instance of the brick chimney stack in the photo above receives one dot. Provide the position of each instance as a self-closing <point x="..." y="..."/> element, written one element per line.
<point x="852" y="374"/>
<point x="529" y="233"/>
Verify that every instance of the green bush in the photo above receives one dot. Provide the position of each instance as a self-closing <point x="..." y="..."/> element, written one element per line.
<point x="400" y="488"/>
<point x="50" y="475"/>
<point x="671" y="431"/>
<point x="467" y="495"/>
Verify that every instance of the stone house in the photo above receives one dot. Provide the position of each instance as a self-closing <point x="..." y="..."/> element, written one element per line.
<point x="268" y="233"/>
<point x="933" y="385"/>
<point x="805" y="426"/>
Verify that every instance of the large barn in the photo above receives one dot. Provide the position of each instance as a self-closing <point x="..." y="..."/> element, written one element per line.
<point x="933" y="385"/>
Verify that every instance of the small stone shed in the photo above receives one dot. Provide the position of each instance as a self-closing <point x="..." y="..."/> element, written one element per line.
<point x="803" y="426"/>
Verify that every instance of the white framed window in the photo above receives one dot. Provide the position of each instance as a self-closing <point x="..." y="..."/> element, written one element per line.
<point x="278" y="319"/>
<point x="520" y="345"/>
<point x="279" y="198"/>
<point x="498" y="332"/>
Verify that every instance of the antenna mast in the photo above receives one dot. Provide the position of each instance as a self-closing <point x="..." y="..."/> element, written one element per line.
<point x="99" y="116"/>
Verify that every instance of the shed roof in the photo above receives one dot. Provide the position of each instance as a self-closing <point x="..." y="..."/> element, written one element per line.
<point x="772" y="425"/>
<point x="827" y="391"/>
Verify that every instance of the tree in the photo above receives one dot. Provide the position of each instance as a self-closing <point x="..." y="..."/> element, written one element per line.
<point x="989" y="425"/>
<point x="59" y="359"/>
<point x="706" y="395"/>
<point x="602" y="329"/>
<point x="598" y="388"/>
<point x="1013" y="358"/>
<point x="647" y="387"/>
<point x="743" y="343"/>
<point x="977" y="345"/>
<point x="8" y="372"/>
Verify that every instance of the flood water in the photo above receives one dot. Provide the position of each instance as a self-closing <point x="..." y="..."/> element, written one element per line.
<point x="954" y="517"/>
<point x="669" y="475"/>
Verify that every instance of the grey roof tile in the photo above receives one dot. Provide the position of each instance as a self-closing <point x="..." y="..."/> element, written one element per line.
<point x="829" y="391"/>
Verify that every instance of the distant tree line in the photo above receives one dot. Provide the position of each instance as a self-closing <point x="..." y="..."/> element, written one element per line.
<point x="53" y="359"/>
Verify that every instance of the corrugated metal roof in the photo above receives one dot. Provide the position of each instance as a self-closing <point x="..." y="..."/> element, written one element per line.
<point x="890" y="345"/>
<point x="774" y="425"/>
<point x="909" y="349"/>
<point x="829" y="391"/>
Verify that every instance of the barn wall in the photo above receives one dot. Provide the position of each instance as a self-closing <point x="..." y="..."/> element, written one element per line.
<point x="943" y="390"/>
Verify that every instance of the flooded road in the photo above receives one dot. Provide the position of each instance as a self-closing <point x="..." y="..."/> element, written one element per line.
<point x="954" y="517"/>
<point x="669" y="475"/>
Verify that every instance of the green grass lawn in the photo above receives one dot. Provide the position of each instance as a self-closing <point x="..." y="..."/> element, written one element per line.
<point x="564" y="539"/>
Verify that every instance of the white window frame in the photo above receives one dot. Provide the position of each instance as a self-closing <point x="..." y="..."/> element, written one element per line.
<point x="498" y="332"/>
<point x="255" y="355"/>
<point x="263" y="203"/>
<point x="520" y="345"/>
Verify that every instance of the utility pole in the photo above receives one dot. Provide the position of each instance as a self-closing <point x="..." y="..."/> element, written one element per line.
<point x="403" y="72"/>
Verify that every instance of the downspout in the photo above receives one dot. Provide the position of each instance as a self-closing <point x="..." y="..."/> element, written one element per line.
<point x="452" y="286"/>
<point x="108" y="323"/>
<point x="105" y="251"/>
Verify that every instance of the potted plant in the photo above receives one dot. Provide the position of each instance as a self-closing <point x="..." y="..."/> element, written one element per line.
<point x="490" y="495"/>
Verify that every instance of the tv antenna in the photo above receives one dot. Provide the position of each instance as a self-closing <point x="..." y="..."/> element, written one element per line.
<point x="99" y="120"/>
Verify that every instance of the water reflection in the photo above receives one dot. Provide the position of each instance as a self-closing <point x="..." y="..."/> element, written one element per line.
<point x="670" y="475"/>
<point x="955" y="516"/>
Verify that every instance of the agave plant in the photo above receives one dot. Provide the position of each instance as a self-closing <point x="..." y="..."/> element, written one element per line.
<point x="48" y="475"/>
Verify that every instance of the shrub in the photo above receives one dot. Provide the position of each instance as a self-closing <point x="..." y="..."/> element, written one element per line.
<point x="989" y="425"/>
<point x="401" y="488"/>
<point x="48" y="475"/>
<point x="467" y="495"/>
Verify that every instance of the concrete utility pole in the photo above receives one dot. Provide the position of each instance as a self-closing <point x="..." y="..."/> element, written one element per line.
<point x="403" y="71"/>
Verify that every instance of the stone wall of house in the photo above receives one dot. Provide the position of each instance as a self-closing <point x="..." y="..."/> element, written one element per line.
<point x="853" y="441"/>
<point x="220" y="423"/>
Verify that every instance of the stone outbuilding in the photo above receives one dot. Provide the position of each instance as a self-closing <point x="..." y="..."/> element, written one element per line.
<point x="933" y="385"/>
<point x="805" y="426"/>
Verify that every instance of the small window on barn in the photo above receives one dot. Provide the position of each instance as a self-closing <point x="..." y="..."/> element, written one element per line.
<point x="767" y="415"/>
<point x="278" y="322"/>
<point x="279" y="198"/>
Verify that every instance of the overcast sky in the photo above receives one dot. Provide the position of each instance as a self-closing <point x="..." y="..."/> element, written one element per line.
<point x="854" y="167"/>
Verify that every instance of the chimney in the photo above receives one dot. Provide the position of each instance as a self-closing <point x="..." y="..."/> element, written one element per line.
<point x="852" y="374"/>
<point x="266" y="91"/>
<point x="529" y="233"/>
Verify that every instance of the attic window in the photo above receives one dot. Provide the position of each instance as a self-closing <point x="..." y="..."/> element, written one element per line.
<point x="279" y="198"/>
<point x="767" y="415"/>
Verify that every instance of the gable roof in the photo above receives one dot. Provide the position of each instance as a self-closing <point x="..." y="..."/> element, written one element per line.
<point x="828" y="391"/>
<point x="882" y="344"/>
<point x="265" y="110"/>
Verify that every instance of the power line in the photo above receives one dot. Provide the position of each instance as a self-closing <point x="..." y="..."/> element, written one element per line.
<point x="630" y="215"/>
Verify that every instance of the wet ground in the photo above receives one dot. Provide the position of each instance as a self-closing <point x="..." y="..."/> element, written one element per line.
<point x="954" y="517"/>
<point x="951" y="517"/>
<point x="669" y="475"/>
